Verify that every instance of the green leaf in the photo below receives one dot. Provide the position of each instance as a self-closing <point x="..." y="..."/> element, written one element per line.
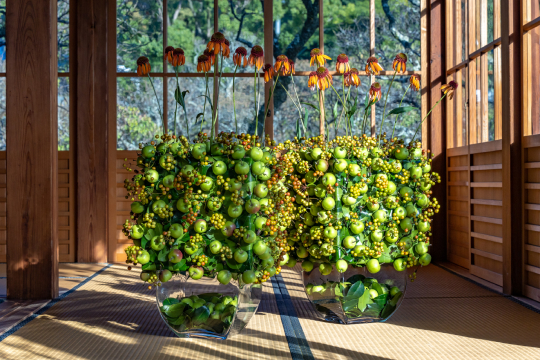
<point x="197" y="117"/>
<point x="356" y="278"/>
<point x="175" y="310"/>
<point x="170" y="301"/>
<point x="401" y="110"/>
<point x="364" y="301"/>
<point x="201" y="315"/>
<point x="179" y="321"/>
<point x="381" y="300"/>
<point x="149" y="266"/>
<point x="180" y="98"/>
<point x="311" y="105"/>
<point x="387" y="310"/>
<point x="162" y="256"/>
<point x="181" y="266"/>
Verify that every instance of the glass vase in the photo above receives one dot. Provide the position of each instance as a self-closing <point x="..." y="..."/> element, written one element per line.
<point x="205" y="308"/>
<point x="356" y="296"/>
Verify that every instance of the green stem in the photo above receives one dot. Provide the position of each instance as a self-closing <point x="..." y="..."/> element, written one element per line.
<point x="206" y="95"/>
<point x="217" y="97"/>
<point x="425" y="117"/>
<point x="159" y="106"/>
<point x="233" y="101"/>
<point x="255" y="99"/>
<point x="266" y="106"/>
<point x="175" y="102"/>
<point x="386" y="102"/>
<point x="395" y="119"/>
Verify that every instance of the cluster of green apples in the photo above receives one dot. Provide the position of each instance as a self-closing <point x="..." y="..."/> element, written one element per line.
<point x="211" y="207"/>
<point x="360" y="201"/>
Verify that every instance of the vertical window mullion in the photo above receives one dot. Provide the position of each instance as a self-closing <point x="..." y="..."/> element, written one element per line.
<point x="372" y="53"/>
<point x="165" y="78"/>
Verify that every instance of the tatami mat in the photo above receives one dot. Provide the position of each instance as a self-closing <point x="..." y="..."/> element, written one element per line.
<point x="114" y="316"/>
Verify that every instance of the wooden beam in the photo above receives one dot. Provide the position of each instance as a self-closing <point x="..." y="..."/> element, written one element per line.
<point x="269" y="59"/>
<point x="512" y="157"/>
<point x="32" y="143"/>
<point x="437" y="121"/>
<point x="92" y="130"/>
<point x="321" y="47"/>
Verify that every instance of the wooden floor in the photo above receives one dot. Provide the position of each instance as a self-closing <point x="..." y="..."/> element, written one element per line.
<point x="443" y="316"/>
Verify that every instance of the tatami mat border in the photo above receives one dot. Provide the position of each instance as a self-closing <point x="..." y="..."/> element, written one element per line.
<point x="48" y="305"/>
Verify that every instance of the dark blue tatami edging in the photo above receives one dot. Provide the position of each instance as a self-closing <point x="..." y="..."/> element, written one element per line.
<point x="293" y="330"/>
<point x="47" y="306"/>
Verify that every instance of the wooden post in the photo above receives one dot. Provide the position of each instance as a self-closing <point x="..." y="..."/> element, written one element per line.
<point x="32" y="150"/>
<point x="322" y="115"/>
<point x="512" y="171"/>
<point x="269" y="59"/>
<point x="92" y="133"/>
<point x="437" y="122"/>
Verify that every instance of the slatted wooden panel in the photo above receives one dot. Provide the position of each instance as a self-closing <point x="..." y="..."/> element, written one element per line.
<point x="66" y="205"/>
<point x="123" y="205"/>
<point x="458" y="246"/>
<point x="486" y="211"/>
<point x="531" y="145"/>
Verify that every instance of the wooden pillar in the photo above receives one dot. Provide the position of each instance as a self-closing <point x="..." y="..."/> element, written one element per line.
<point x="92" y="133"/>
<point x="269" y="59"/>
<point x="511" y="148"/>
<point x="32" y="150"/>
<point x="437" y="122"/>
<point x="322" y="115"/>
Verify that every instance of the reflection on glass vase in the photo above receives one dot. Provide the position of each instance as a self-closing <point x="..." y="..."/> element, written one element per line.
<point x="205" y="308"/>
<point x="356" y="296"/>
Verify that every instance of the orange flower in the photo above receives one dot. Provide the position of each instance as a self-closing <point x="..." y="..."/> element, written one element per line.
<point x="167" y="53"/>
<point x="318" y="56"/>
<point x="203" y="63"/>
<point x="342" y="64"/>
<point x="227" y="52"/>
<point x="256" y="57"/>
<point x="352" y="78"/>
<point x="143" y="66"/>
<point x="415" y="82"/>
<point x="372" y="66"/>
<point x="400" y="63"/>
<point x="375" y="91"/>
<point x="218" y="43"/>
<point x="449" y="89"/>
<point x="282" y="63"/>
<point x="321" y="78"/>
<point x="239" y="57"/>
<point x="210" y="55"/>
<point x="178" y="57"/>
<point x="291" y="64"/>
<point x="268" y="72"/>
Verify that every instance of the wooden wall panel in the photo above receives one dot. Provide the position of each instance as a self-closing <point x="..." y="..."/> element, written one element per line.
<point x="3" y="199"/>
<point x="32" y="140"/>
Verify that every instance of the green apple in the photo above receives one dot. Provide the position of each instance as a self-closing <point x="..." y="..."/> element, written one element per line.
<point x="175" y="256"/>
<point x="307" y="266"/>
<point x="137" y="231"/>
<point x="200" y="226"/>
<point x="165" y="275"/>
<point x="148" y="151"/>
<point x="349" y="242"/>
<point x="215" y="246"/>
<point x="219" y="168"/>
<point x="256" y="153"/>
<point x="196" y="272"/>
<point x="399" y="264"/>
<point x="373" y="266"/>
<point x="143" y="257"/>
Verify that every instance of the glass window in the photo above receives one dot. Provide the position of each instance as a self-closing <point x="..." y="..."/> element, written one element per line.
<point x="296" y="31"/>
<point x="531" y="42"/>
<point x="63" y="35"/>
<point x="397" y="29"/>
<point x="245" y="106"/>
<point x="63" y="113"/>
<point x="407" y="123"/>
<point x="2" y="113"/>
<point x="190" y="26"/>
<point x="3" y="36"/>
<point x="195" y="105"/>
<point x="139" y="32"/>
<point x="491" y="96"/>
<point x="346" y="30"/>
<point x="138" y="117"/>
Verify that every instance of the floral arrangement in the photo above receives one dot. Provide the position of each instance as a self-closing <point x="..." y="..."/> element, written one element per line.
<point x="240" y="207"/>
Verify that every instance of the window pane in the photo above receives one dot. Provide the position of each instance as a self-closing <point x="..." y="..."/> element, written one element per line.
<point x="245" y="106"/>
<point x="491" y="96"/>
<point x="406" y="123"/>
<point x="190" y="26"/>
<point x="336" y="123"/>
<point x="296" y="31"/>
<point x="531" y="42"/>
<point x="286" y="113"/>
<point x="464" y="27"/>
<point x="63" y="113"/>
<point x="3" y="113"/>
<point x="251" y="32"/>
<point x="63" y="35"/>
<point x="484" y="22"/>
<point x="138" y="118"/>
<point x="139" y="33"/>
<point x="3" y="40"/>
<point x="195" y="104"/>
<point x="397" y="29"/>
<point x="346" y="30"/>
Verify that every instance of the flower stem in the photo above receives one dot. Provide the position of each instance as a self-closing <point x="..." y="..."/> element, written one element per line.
<point x="206" y="95"/>
<point x="425" y="117"/>
<point x="233" y="101"/>
<point x="159" y="106"/>
<point x="217" y="97"/>
<point x="395" y="119"/>
<point x="386" y="102"/>
<point x="185" y="111"/>
<point x="255" y="99"/>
